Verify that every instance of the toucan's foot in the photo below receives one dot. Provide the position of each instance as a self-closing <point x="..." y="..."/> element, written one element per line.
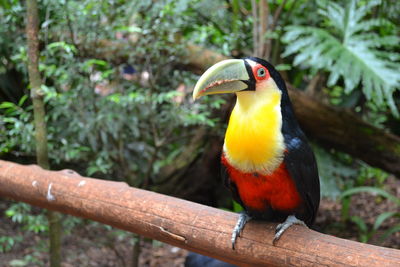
<point x="281" y="228"/>
<point x="243" y="219"/>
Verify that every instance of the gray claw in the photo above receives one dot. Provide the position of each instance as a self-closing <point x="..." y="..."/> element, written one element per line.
<point x="282" y="227"/>
<point x="237" y="231"/>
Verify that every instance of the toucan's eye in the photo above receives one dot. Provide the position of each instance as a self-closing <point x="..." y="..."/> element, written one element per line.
<point x="261" y="72"/>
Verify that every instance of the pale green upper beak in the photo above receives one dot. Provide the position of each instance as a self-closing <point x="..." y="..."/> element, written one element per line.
<point x="227" y="76"/>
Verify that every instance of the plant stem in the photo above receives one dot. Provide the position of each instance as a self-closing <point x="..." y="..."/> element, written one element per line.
<point x="255" y="25"/>
<point x="32" y="30"/>
<point x="136" y="250"/>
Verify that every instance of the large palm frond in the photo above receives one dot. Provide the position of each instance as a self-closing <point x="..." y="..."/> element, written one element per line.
<point x="348" y="48"/>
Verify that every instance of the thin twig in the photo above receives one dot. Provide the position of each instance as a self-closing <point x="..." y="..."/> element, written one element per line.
<point x="255" y="21"/>
<point x="210" y="20"/>
<point x="266" y="41"/>
<point x="69" y="24"/>
<point x="261" y="28"/>
<point x="277" y="13"/>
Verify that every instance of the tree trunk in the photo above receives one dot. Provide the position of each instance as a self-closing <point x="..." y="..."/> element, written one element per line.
<point x="40" y="123"/>
<point x="343" y="130"/>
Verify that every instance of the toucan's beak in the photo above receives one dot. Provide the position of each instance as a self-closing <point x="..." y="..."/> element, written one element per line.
<point x="227" y="76"/>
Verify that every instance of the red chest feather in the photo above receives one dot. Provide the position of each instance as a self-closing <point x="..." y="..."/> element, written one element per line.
<point x="259" y="192"/>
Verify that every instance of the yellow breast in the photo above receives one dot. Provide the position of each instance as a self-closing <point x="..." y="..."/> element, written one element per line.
<point x="253" y="140"/>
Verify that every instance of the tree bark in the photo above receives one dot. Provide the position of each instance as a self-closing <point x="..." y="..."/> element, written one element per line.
<point x="343" y="130"/>
<point x="182" y="223"/>
<point x="32" y="26"/>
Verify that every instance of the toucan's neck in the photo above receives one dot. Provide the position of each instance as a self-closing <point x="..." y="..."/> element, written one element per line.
<point x="253" y="140"/>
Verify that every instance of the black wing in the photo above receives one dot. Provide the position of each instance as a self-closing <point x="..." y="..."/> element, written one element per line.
<point x="302" y="166"/>
<point x="299" y="159"/>
<point x="230" y="185"/>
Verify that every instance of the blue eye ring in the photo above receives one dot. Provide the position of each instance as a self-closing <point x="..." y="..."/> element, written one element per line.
<point x="261" y="72"/>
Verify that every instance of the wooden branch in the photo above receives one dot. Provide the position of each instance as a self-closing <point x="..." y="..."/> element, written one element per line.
<point x="182" y="223"/>
<point x="201" y="59"/>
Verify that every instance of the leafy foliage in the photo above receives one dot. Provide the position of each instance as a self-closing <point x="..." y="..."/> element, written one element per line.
<point x="372" y="190"/>
<point x="8" y="242"/>
<point x="17" y="126"/>
<point x="129" y="128"/>
<point x="365" y="233"/>
<point x="99" y="120"/>
<point x="348" y="48"/>
<point x="21" y="213"/>
<point x="333" y="173"/>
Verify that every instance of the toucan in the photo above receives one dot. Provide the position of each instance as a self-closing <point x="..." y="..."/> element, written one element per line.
<point x="266" y="160"/>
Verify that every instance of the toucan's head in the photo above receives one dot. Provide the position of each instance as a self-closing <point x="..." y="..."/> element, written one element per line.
<point x="237" y="75"/>
<point x="253" y="140"/>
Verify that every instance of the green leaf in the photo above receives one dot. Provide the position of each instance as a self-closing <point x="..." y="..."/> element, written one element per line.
<point x="69" y="48"/>
<point x="345" y="213"/>
<point x="7" y="105"/>
<point x="382" y="217"/>
<point x="390" y="231"/>
<point x="348" y="49"/>
<point x="236" y="206"/>
<point x="130" y="29"/>
<point x="22" y="100"/>
<point x="18" y="263"/>
<point x="371" y="190"/>
<point x="283" y="67"/>
<point x="91" y="62"/>
<point x="360" y="223"/>
<point x="99" y="62"/>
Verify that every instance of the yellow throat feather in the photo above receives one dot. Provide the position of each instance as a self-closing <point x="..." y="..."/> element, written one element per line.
<point x="253" y="140"/>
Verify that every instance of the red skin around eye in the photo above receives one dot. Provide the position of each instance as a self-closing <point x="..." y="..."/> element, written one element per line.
<point x="255" y="71"/>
